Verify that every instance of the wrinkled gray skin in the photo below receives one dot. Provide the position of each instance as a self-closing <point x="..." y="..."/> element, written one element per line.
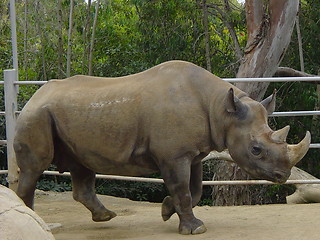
<point x="164" y="119"/>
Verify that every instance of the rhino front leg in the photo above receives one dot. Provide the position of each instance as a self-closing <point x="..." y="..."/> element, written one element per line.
<point x="168" y="209"/>
<point x="83" y="182"/>
<point x="177" y="177"/>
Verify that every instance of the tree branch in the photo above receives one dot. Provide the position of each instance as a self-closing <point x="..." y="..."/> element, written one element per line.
<point x="290" y="72"/>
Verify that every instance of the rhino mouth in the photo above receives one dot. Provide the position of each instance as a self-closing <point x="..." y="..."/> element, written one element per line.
<point x="276" y="176"/>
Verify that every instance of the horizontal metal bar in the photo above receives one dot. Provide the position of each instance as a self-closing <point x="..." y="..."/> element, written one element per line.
<point x="314" y="145"/>
<point x="257" y="182"/>
<point x="110" y="177"/>
<point x="30" y="82"/>
<point x="295" y="113"/>
<point x="273" y="79"/>
<point x="205" y="183"/>
<point x="275" y="114"/>
<point x="231" y="80"/>
<point x="3" y="172"/>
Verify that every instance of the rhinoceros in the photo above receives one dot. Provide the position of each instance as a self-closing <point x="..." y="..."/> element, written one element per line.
<point x="165" y="119"/>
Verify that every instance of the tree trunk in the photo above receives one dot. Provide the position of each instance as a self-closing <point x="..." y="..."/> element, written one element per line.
<point x="230" y="27"/>
<point x="225" y="15"/>
<point x="300" y="44"/>
<point x="60" y="41"/>
<point x="206" y="33"/>
<point x="69" y="39"/>
<point x="40" y="33"/>
<point x="85" y="38"/>
<point x="226" y="195"/>
<point x="269" y="25"/>
<point x="93" y="36"/>
<point x="25" y="41"/>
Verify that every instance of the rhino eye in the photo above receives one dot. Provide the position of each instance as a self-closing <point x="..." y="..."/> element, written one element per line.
<point x="256" y="150"/>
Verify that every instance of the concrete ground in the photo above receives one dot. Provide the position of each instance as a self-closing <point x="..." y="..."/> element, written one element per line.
<point x="142" y="220"/>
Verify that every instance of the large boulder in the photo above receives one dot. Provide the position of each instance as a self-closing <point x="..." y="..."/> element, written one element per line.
<point x="17" y="221"/>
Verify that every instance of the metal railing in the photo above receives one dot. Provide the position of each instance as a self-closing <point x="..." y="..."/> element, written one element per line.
<point x="11" y="91"/>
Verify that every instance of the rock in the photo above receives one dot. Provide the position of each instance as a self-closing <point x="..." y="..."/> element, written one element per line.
<point x="54" y="225"/>
<point x="17" y="221"/>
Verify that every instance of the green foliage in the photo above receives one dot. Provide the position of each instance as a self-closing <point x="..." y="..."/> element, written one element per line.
<point x="25" y="93"/>
<point x="278" y="193"/>
<point x="309" y="24"/>
<point x="137" y="191"/>
<point x="51" y="185"/>
<point x="206" y="201"/>
<point x="131" y="36"/>
<point x="166" y="29"/>
<point x="3" y="180"/>
<point x="270" y="194"/>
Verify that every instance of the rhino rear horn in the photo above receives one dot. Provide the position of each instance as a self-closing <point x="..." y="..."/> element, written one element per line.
<point x="280" y="135"/>
<point x="296" y="152"/>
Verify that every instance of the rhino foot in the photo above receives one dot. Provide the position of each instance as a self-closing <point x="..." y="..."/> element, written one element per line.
<point x="195" y="227"/>
<point x="167" y="209"/>
<point x="103" y="216"/>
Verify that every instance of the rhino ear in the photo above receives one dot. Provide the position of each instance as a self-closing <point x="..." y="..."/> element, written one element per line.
<point x="234" y="105"/>
<point x="270" y="102"/>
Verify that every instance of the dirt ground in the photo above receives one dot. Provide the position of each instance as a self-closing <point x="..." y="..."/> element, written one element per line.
<point x="142" y="220"/>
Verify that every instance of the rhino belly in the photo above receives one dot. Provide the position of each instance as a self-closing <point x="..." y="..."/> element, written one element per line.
<point x="114" y="159"/>
<point x="119" y="165"/>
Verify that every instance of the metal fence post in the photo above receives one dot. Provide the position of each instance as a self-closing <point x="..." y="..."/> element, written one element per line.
<point x="10" y="96"/>
<point x="14" y="35"/>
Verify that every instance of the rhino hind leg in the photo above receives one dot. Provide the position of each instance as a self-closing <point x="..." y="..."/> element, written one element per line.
<point x="30" y="164"/>
<point x="27" y="186"/>
<point x="168" y="209"/>
<point x="83" y="182"/>
<point x="34" y="152"/>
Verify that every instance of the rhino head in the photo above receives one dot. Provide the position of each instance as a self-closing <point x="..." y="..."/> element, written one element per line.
<point x="254" y="146"/>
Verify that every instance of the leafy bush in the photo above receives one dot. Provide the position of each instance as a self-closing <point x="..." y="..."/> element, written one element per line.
<point x="138" y="191"/>
<point x="51" y="185"/>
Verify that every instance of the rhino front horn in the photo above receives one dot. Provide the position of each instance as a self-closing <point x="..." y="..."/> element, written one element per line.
<point x="297" y="152"/>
